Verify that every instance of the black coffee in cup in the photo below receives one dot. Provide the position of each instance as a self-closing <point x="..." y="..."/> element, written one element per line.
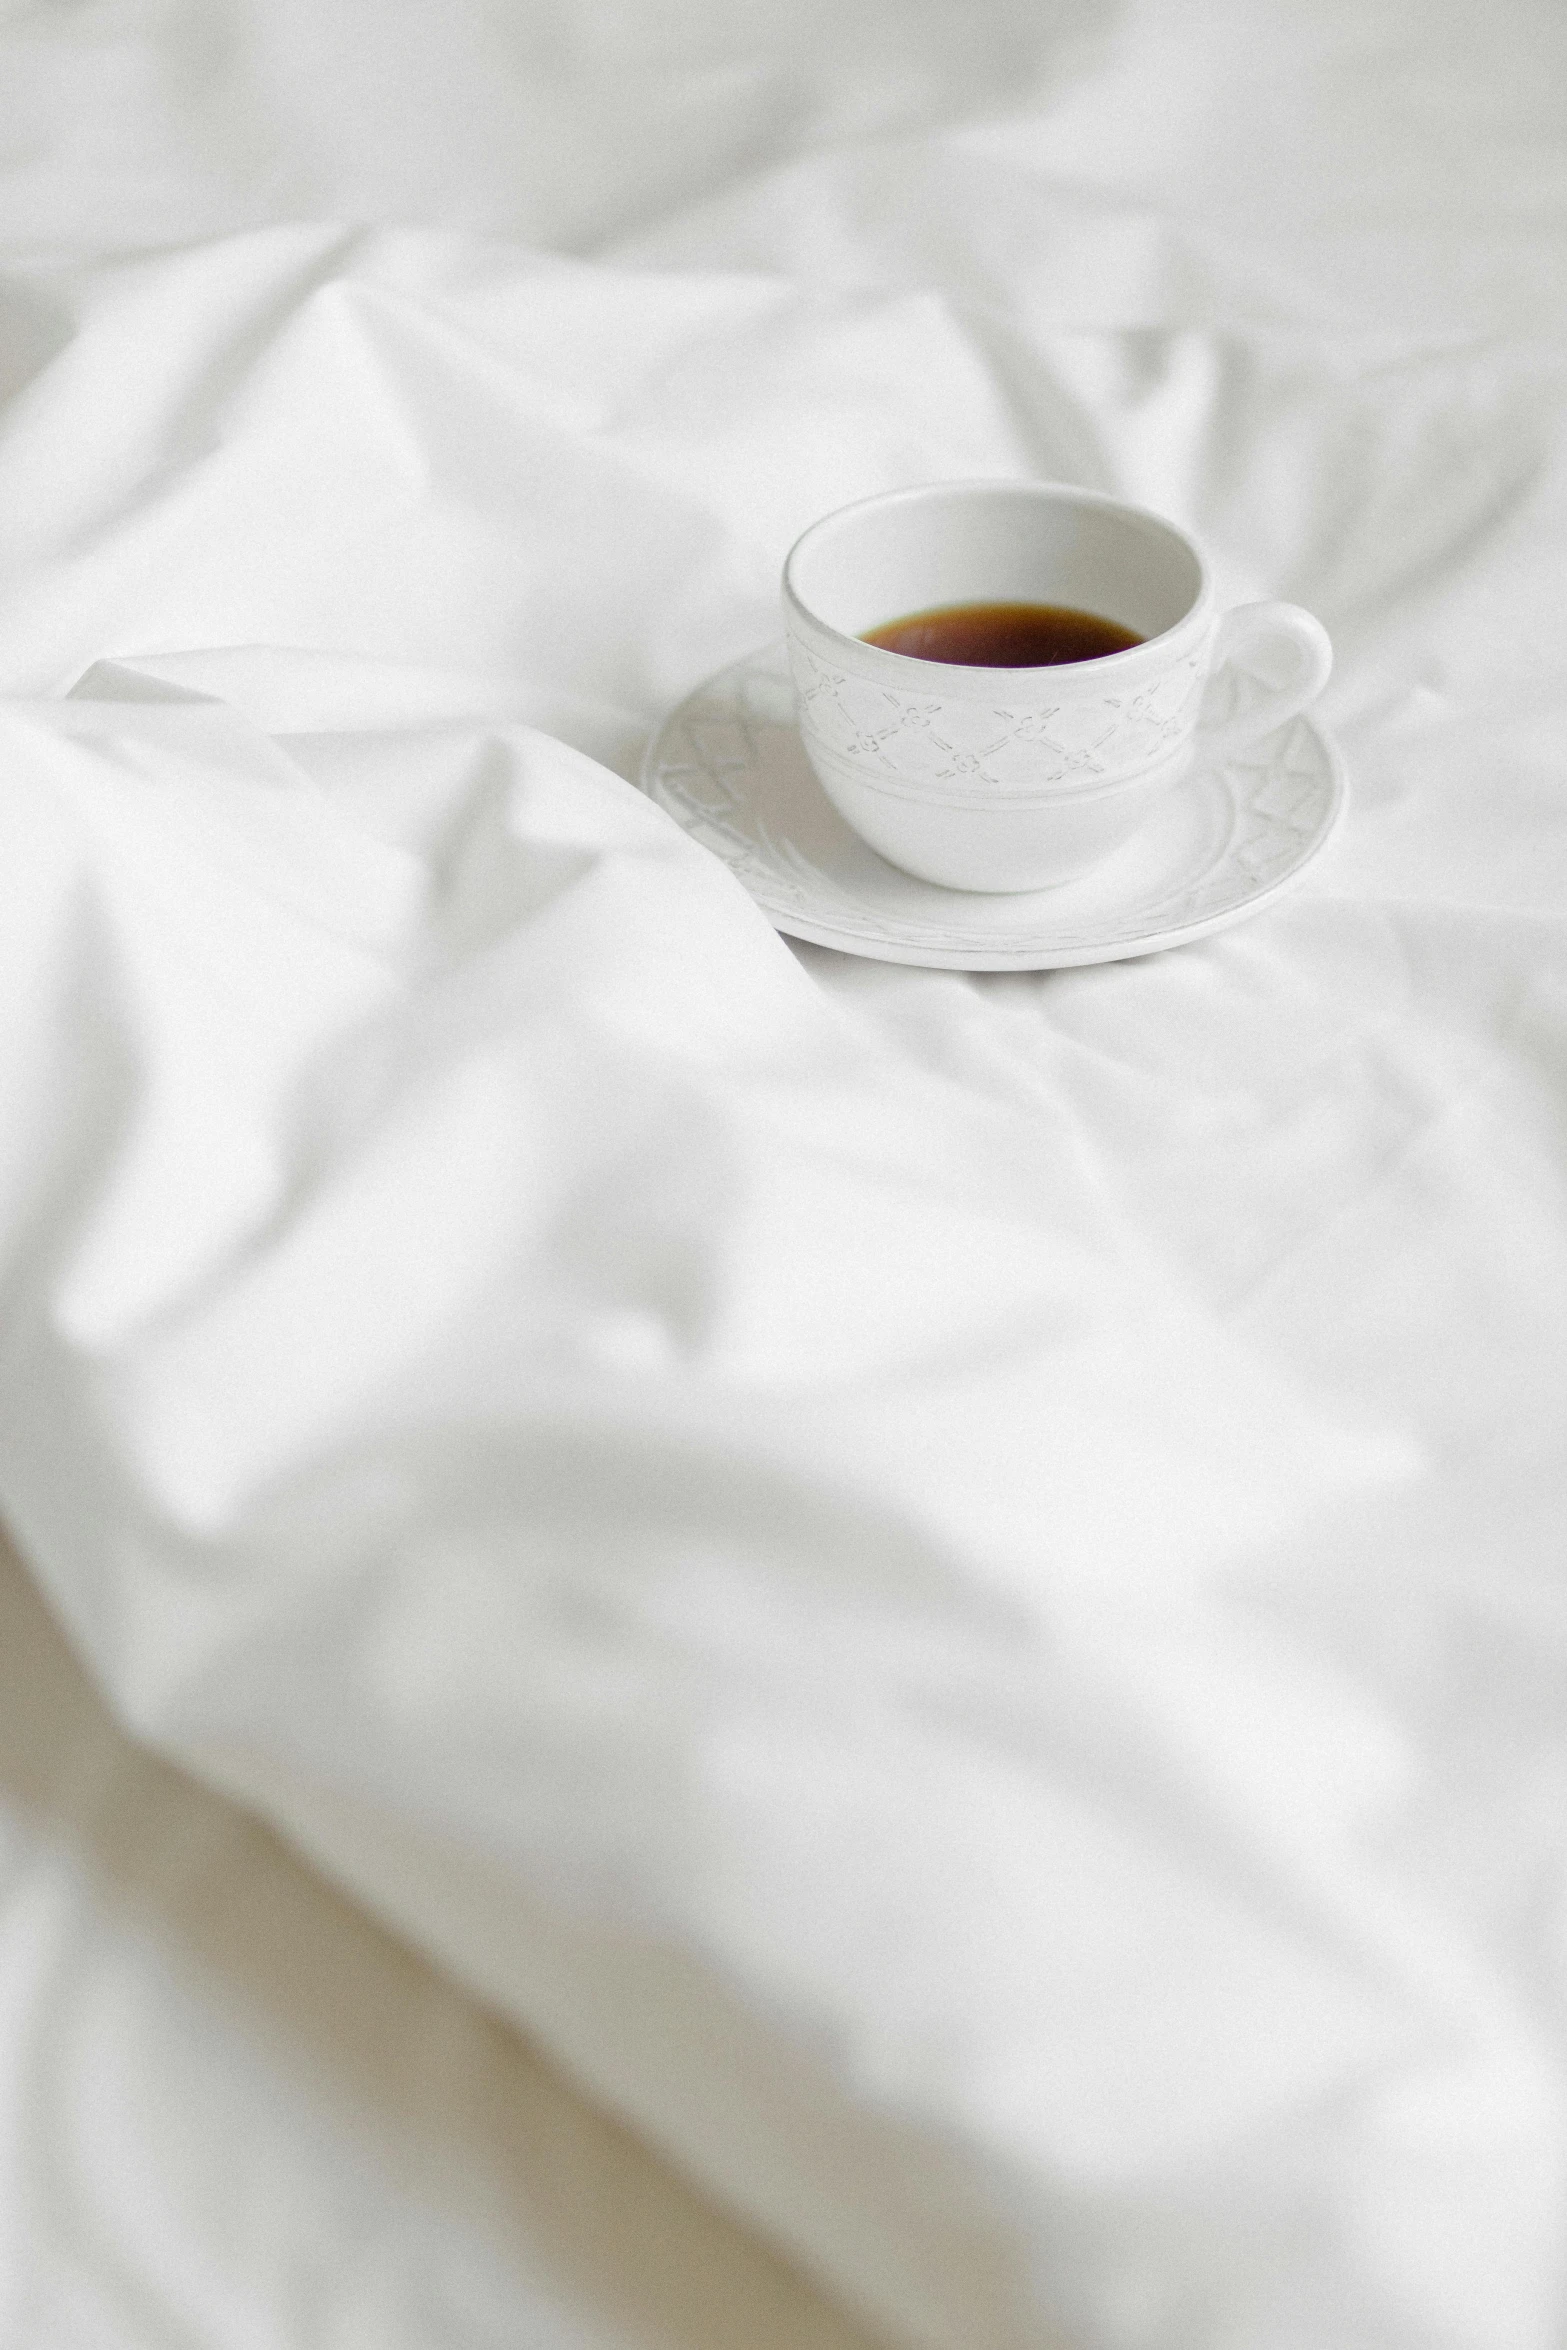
<point x="1003" y="636"/>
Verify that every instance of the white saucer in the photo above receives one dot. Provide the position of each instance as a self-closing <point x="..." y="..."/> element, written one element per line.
<point x="728" y="766"/>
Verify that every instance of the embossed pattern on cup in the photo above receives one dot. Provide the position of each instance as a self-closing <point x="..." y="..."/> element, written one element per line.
<point x="1002" y="746"/>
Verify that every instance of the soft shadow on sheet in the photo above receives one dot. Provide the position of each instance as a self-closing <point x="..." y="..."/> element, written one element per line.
<point x="237" y="2100"/>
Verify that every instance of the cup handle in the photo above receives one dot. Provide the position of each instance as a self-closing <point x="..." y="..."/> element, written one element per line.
<point x="1250" y="626"/>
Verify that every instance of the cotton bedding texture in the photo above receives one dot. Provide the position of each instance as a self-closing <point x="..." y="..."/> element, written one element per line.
<point x="711" y="1645"/>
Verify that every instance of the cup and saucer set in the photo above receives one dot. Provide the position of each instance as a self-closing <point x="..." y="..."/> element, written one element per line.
<point x="1007" y="730"/>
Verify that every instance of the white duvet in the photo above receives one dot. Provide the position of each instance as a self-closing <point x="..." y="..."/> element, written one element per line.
<point x="949" y="1590"/>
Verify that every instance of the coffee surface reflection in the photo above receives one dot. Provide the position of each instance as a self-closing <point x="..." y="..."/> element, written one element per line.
<point x="1003" y="636"/>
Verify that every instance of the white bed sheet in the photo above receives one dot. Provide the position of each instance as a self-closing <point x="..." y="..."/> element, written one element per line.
<point x="1038" y="1779"/>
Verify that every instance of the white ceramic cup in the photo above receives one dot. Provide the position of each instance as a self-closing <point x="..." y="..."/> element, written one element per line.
<point x="1016" y="779"/>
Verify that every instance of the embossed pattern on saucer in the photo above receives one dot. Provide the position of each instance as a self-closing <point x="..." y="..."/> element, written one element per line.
<point x="728" y="765"/>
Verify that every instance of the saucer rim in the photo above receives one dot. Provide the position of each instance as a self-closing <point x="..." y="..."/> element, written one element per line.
<point x="791" y="924"/>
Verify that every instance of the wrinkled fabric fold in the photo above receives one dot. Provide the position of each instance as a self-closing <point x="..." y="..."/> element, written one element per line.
<point x="675" y="1508"/>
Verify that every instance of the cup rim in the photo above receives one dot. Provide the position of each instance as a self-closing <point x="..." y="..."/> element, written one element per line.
<point x="939" y="676"/>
